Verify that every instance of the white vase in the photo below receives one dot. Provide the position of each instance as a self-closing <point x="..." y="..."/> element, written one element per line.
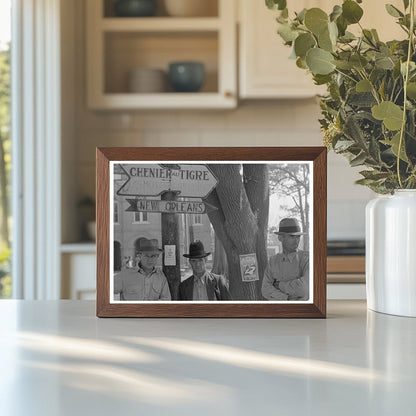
<point x="391" y="253"/>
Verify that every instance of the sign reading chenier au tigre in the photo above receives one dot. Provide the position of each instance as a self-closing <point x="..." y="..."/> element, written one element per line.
<point x="194" y="181"/>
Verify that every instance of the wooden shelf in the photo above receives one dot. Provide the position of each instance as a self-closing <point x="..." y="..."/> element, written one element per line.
<point x="346" y="264"/>
<point x="196" y="100"/>
<point x="160" y="24"/>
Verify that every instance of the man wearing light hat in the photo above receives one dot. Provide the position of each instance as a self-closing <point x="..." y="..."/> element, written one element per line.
<point x="287" y="274"/>
<point x="144" y="282"/>
<point x="202" y="285"/>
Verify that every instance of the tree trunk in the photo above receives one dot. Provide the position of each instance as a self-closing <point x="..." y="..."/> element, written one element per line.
<point x="256" y="180"/>
<point x="220" y="265"/>
<point x="240" y="221"/>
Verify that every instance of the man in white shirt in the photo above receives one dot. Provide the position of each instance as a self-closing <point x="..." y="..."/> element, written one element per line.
<point x="144" y="282"/>
<point x="287" y="274"/>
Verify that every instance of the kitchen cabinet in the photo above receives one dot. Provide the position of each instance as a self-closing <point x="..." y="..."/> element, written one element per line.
<point x="265" y="69"/>
<point x="78" y="264"/>
<point x="118" y="45"/>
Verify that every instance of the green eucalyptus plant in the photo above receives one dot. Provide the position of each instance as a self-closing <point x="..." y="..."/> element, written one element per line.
<point x="369" y="113"/>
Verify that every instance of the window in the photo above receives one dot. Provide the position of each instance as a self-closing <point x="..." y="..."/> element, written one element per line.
<point x="140" y="218"/>
<point x="197" y="219"/>
<point x="116" y="217"/>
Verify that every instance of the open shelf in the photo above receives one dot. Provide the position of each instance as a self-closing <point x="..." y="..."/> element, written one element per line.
<point x="118" y="45"/>
<point x="127" y="51"/>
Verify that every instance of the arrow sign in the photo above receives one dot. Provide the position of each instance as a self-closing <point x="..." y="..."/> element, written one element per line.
<point x="172" y="207"/>
<point x="193" y="181"/>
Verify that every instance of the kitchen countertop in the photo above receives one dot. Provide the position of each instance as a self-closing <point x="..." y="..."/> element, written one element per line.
<point x="57" y="358"/>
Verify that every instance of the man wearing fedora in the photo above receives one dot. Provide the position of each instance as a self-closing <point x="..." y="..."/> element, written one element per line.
<point x="202" y="285"/>
<point x="287" y="274"/>
<point x="144" y="282"/>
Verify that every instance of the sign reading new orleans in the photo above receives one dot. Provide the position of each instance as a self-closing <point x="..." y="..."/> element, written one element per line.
<point x="177" y="207"/>
<point x="193" y="181"/>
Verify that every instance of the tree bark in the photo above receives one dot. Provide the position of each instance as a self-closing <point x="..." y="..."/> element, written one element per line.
<point x="220" y="265"/>
<point x="240" y="220"/>
<point x="256" y="181"/>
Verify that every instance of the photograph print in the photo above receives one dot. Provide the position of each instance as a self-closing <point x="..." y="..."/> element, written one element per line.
<point x="215" y="231"/>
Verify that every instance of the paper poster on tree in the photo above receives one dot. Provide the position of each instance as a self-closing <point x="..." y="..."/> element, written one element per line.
<point x="248" y="266"/>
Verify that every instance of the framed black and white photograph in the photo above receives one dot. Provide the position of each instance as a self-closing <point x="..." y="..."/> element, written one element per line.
<point x="211" y="232"/>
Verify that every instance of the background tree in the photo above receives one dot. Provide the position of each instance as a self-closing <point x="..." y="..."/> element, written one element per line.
<point x="5" y="164"/>
<point x="241" y="219"/>
<point x="292" y="180"/>
<point x="4" y="142"/>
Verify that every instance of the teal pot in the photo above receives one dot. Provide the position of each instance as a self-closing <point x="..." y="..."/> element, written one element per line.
<point x="186" y="76"/>
<point x="135" y="8"/>
<point x="391" y="253"/>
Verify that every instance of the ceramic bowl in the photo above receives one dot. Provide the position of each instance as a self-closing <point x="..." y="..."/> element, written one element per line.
<point x="186" y="76"/>
<point x="135" y="8"/>
<point x="147" y="80"/>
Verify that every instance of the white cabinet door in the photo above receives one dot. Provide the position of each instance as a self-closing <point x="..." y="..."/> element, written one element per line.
<point x="264" y="66"/>
<point x="265" y="69"/>
<point x="78" y="276"/>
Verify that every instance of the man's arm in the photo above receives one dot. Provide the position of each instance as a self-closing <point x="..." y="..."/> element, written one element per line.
<point x="268" y="290"/>
<point x="224" y="292"/>
<point x="165" y="293"/>
<point x="298" y="287"/>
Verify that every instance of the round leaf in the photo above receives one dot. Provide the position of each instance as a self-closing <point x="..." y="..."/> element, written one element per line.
<point x="336" y="12"/>
<point x="301" y="63"/>
<point x="316" y="20"/>
<point x="287" y="33"/>
<point x="363" y="86"/>
<point x="393" y="11"/>
<point x="391" y="114"/>
<point x="333" y="32"/>
<point x="411" y="90"/>
<point x="303" y="43"/>
<point x="351" y="11"/>
<point x="384" y="62"/>
<point x="325" y="42"/>
<point x="344" y="65"/>
<point x="319" y="61"/>
<point x="358" y="61"/>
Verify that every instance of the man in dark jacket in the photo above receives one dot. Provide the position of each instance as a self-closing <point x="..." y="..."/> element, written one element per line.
<point x="202" y="285"/>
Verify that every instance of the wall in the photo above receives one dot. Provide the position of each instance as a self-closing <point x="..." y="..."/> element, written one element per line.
<point x="253" y="123"/>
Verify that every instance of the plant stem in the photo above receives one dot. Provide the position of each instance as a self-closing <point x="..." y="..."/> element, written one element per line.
<point x="373" y="88"/>
<point x="346" y="75"/>
<point x="406" y="80"/>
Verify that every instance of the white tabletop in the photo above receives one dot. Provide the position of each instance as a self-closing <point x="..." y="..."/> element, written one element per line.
<point x="57" y="358"/>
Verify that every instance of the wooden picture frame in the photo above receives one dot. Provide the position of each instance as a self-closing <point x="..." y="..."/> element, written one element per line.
<point x="141" y="176"/>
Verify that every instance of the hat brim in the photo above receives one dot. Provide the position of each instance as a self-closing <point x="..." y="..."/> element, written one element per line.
<point x="153" y="250"/>
<point x="283" y="233"/>
<point x="200" y="256"/>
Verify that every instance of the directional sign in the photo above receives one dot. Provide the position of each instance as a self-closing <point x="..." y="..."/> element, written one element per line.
<point x="173" y="207"/>
<point x="193" y="181"/>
